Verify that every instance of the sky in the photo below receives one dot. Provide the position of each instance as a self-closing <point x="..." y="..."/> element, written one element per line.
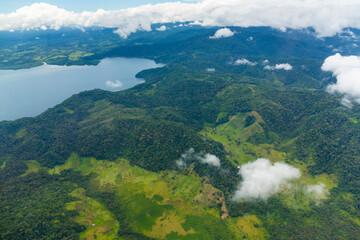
<point x="8" y="6"/>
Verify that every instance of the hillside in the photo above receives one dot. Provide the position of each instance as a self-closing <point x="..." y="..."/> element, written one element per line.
<point x="106" y="165"/>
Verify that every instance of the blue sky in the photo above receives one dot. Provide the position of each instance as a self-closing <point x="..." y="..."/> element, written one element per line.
<point x="78" y="5"/>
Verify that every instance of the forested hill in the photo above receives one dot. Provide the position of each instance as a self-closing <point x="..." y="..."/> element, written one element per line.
<point x="131" y="164"/>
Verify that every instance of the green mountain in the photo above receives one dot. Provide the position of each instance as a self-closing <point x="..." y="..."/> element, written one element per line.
<point x="103" y="165"/>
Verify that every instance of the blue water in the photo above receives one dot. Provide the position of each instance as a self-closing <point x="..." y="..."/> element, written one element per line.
<point x="29" y="92"/>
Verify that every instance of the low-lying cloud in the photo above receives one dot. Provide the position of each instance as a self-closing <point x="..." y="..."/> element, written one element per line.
<point x="281" y="66"/>
<point x="222" y="33"/>
<point x="318" y="190"/>
<point x="326" y="17"/>
<point x="346" y="69"/>
<point x="162" y="28"/>
<point x="244" y="61"/>
<point x="262" y="179"/>
<point x="210" y="159"/>
<point x="205" y="158"/>
<point x="115" y="84"/>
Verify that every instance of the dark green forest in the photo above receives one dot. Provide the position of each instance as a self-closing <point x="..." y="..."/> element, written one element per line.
<point x="182" y="106"/>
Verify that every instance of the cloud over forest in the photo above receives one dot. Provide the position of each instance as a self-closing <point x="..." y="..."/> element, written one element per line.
<point x="244" y="61"/>
<point x="281" y="66"/>
<point x="205" y="158"/>
<point x="222" y="33"/>
<point x="262" y="179"/>
<point x="346" y="69"/>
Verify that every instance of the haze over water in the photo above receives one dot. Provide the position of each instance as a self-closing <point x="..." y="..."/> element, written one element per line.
<point x="29" y="92"/>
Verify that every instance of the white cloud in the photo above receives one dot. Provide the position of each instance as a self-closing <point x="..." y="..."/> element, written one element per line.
<point x="195" y="23"/>
<point x="346" y="69"/>
<point x="268" y="67"/>
<point x="115" y="84"/>
<point x="210" y="159"/>
<point x="244" y="61"/>
<point x="282" y="66"/>
<point x="326" y="17"/>
<point x="205" y="158"/>
<point x="162" y="28"/>
<point x="262" y="179"/>
<point x="210" y="69"/>
<point x="318" y="190"/>
<point x="222" y="33"/>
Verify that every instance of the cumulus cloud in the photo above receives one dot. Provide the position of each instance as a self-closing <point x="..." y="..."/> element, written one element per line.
<point x="222" y="33"/>
<point x="346" y="69"/>
<point x="268" y="67"/>
<point x="115" y="84"/>
<point x="190" y="156"/>
<point x="210" y="159"/>
<point x="282" y="66"/>
<point x="262" y="179"/>
<point x="244" y="61"/>
<point x="326" y="17"/>
<point x="162" y="28"/>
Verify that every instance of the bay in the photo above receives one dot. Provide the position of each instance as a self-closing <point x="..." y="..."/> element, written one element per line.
<point x="29" y="92"/>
